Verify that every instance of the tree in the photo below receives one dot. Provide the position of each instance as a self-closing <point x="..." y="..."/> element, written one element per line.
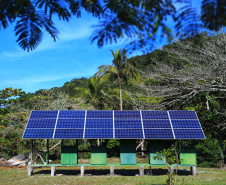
<point x="119" y="68"/>
<point x="95" y="91"/>
<point x="138" y="20"/>
<point x="195" y="81"/>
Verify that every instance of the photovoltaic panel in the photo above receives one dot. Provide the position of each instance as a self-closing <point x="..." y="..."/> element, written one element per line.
<point x="79" y="114"/>
<point x="99" y="123"/>
<point x="128" y="123"/>
<point x="41" y="123"/>
<point x="182" y="115"/>
<point x="127" y="114"/>
<point x="189" y="134"/>
<point x="68" y="133"/>
<point x="99" y="114"/>
<point x="129" y="133"/>
<point x="70" y="123"/>
<point x="38" y="133"/>
<point x="44" y="114"/>
<point x="113" y="124"/>
<point x="158" y="134"/>
<point x="156" y="123"/>
<point x="154" y="115"/>
<point x="99" y="133"/>
<point x="186" y="124"/>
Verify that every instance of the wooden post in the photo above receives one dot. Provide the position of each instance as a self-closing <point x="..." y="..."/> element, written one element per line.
<point x="47" y="152"/>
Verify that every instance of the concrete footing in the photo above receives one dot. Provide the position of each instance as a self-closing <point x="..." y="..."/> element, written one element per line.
<point x="112" y="171"/>
<point x="30" y="170"/>
<point x="141" y="170"/>
<point x="82" y="171"/>
<point x="53" y="171"/>
<point x="193" y="170"/>
<point x="170" y="169"/>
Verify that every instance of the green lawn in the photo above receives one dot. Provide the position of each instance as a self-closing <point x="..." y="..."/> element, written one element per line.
<point x="124" y="175"/>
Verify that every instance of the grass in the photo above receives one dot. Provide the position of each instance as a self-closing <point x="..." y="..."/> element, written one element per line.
<point x="100" y="175"/>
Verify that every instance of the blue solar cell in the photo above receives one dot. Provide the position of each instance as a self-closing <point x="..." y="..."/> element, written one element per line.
<point x="38" y="133"/>
<point x="182" y="115"/>
<point x="70" y="123"/>
<point x="156" y="123"/>
<point x="99" y="133"/>
<point x="99" y="114"/>
<point x="127" y="114"/>
<point x="186" y="124"/>
<point x="99" y="123"/>
<point x="44" y="114"/>
<point x="41" y="123"/>
<point x="68" y="133"/>
<point x="189" y="134"/>
<point x="128" y="123"/>
<point x="158" y="134"/>
<point x="155" y="115"/>
<point x="72" y="114"/>
<point x="129" y="133"/>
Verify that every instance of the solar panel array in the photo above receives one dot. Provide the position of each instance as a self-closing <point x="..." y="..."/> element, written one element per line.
<point x="94" y="124"/>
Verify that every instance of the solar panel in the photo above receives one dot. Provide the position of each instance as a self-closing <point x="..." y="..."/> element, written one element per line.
<point x="186" y="124"/>
<point x="127" y="114"/>
<point x="99" y="133"/>
<point x="158" y="133"/>
<point x="41" y="123"/>
<point x="70" y="123"/>
<point x="154" y="115"/>
<point x="156" y="123"/>
<point x="72" y="114"/>
<point x="38" y="133"/>
<point x="43" y="114"/>
<point x="108" y="124"/>
<point x="99" y="123"/>
<point x="94" y="114"/>
<point x="128" y="123"/>
<point x="68" y="133"/>
<point x="182" y="115"/>
<point x="189" y="134"/>
<point x="129" y="133"/>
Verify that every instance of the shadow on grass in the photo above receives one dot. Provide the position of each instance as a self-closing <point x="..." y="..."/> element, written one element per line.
<point x="102" y="172"/>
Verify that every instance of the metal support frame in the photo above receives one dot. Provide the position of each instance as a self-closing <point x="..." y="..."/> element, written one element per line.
<point x="47" y="152"/>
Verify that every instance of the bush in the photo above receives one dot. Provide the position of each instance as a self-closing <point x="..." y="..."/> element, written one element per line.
<point x="208" y="152"/>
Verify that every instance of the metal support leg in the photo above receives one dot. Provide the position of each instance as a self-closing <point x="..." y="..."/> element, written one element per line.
<point x="112" y="171"/>
<point x="150" y="171"/>
<point x="141" y="169"/>
<point x="53" y="171"/>
<point x="30" y="170"/>
<point x="47" y="153"/>
<point x="82" y="171"/>
<point x="193" y="170"/>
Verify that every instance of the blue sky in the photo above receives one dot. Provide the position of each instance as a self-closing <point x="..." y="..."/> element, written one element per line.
<point x="54" y="63"/>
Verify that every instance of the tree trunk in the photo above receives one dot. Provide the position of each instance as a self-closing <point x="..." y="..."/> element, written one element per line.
<point x="120" y="91"/>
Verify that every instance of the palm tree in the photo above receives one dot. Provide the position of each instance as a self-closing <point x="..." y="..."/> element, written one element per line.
<point x="120" y="68"/>
<point x="95" y="91"/>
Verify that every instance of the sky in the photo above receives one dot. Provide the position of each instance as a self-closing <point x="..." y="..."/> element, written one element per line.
<point x="54" y="63"/>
